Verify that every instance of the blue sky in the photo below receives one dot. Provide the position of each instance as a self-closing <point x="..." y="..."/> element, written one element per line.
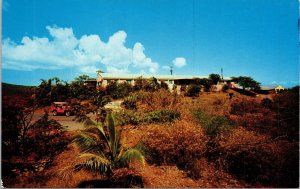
<point x="42" y="39"/>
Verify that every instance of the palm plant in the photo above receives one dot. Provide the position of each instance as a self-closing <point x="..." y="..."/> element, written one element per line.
<point x="101" y="150"/>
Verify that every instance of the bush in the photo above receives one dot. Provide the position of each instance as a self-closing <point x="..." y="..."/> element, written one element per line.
<point x="286" y="107"/>
<point x="246" y="106"/>
<point x="193" y="90"/>
<point x="267" y="103"/>
<point x="213" y="125"/>
<point x="130" y="102"/>
<point x="47" y="136"/>
<point x="27" y="145"/>
<point x="279" y="118"/>
<point x="164" y="85"/>
<point x="225" y="88"/>
<point x="255" y="158"/>
<point x="157" y="116"/>
<point x="161" y="116"/>
<point x="118" y="90"/>
<point x="151" y="85"/>
<point x="181" y="144"/>
<point x="128" y="117"/>
<point x="161" y="99"/>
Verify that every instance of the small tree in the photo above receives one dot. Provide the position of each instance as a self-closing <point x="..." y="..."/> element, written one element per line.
<point x="139" y="83"/>
<point x="205" y="83"/>
<point x="215" y="78"/>
<point x="102" y="152"/>
<point x="193" y="90"/>
<point x="80" y="91"/>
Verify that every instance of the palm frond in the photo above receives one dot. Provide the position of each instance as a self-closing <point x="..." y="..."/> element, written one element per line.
<point x="132" y="154"/>
<point x="84" y="141"/>
<point x="112" y="134"/>
<point x="102" y="132"/>
<point x="66" y="172"/>
<point x="92" y="162"/>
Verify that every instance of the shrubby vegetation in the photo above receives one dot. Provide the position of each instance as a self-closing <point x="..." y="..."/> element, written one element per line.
<point x="193" y="90"/>
<point x="252" y="140"/>
<point x="156" y="116"/>
<point x="118" y="90"/>
<point x="181" y="144"/>
<point x="256" y="158"/>
<point x="153" y="107"/>
<point x="213" y="125"/>
<point x="28" y="146"/>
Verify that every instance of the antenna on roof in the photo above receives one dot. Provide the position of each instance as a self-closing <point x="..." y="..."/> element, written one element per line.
<point x="171" y="70"/>
<point x="222" y="73"/>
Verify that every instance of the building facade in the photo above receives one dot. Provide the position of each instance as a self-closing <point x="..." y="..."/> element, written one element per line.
<point x="174" y="82"/>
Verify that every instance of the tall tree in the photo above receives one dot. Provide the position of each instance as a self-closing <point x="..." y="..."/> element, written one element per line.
<point x="246" y="82"/>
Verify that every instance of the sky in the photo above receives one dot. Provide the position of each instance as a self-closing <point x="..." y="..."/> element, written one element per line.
<point x="42" y="39"/>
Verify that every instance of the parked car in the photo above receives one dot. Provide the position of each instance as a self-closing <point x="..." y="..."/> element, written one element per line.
<point x="60" y="108"/>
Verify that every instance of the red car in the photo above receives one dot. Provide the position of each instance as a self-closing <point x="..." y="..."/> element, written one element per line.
<point x="60" y="108"/>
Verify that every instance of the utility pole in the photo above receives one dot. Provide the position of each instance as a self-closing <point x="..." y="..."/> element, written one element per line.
<point x="171" y="70"/>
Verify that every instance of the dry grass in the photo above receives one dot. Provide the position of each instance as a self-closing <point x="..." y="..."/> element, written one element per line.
<point x="63" y="160"/>
<point x="166" y="177"/>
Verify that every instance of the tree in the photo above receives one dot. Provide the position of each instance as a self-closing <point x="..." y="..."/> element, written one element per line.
<point x="80" y="91"/>
<point x="246" y="82"/>
<point x="52" y="90"/>
<point x="193" y="90"/>
<point x="80" y="79"/>
<point x="102" y="152"/>
<point x="215" y="78"/>
<point x="205" y="83"/>
<point x="151" y="84"/>
<point x="43" y="92"/>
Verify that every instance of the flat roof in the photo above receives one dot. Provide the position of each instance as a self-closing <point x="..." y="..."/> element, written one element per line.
<point x="148" y="76"/>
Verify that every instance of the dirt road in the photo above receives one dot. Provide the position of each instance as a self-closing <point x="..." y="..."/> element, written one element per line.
<point x="69" y="122"/>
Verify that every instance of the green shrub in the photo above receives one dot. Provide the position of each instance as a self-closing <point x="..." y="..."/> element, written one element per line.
<point x="118" y="90"/>
<point x="193" y="90"/>
<point x="128" y="117"/>
<point x="213" y="125"/>
<point x="161" y="116"/>
<point x="130" y="102"/>
<point x="151" y="85"/>
<point x="157" y="116"/>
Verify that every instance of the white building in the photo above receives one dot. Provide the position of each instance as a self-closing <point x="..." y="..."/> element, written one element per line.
<point x="171" y="80"/>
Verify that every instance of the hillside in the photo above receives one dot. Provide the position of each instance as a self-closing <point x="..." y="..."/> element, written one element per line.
<point x="16" y="90"/>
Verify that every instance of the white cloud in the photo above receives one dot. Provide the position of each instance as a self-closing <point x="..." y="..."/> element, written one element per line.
<point x="88" y="69"/>
<point x="141" y="61"/>
<point x="166" y="67"/>
<point x="64" y="50"/>
<point x="179" y="62"/>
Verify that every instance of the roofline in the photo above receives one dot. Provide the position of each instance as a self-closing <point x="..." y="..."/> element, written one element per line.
<point x="160" y="77"/>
